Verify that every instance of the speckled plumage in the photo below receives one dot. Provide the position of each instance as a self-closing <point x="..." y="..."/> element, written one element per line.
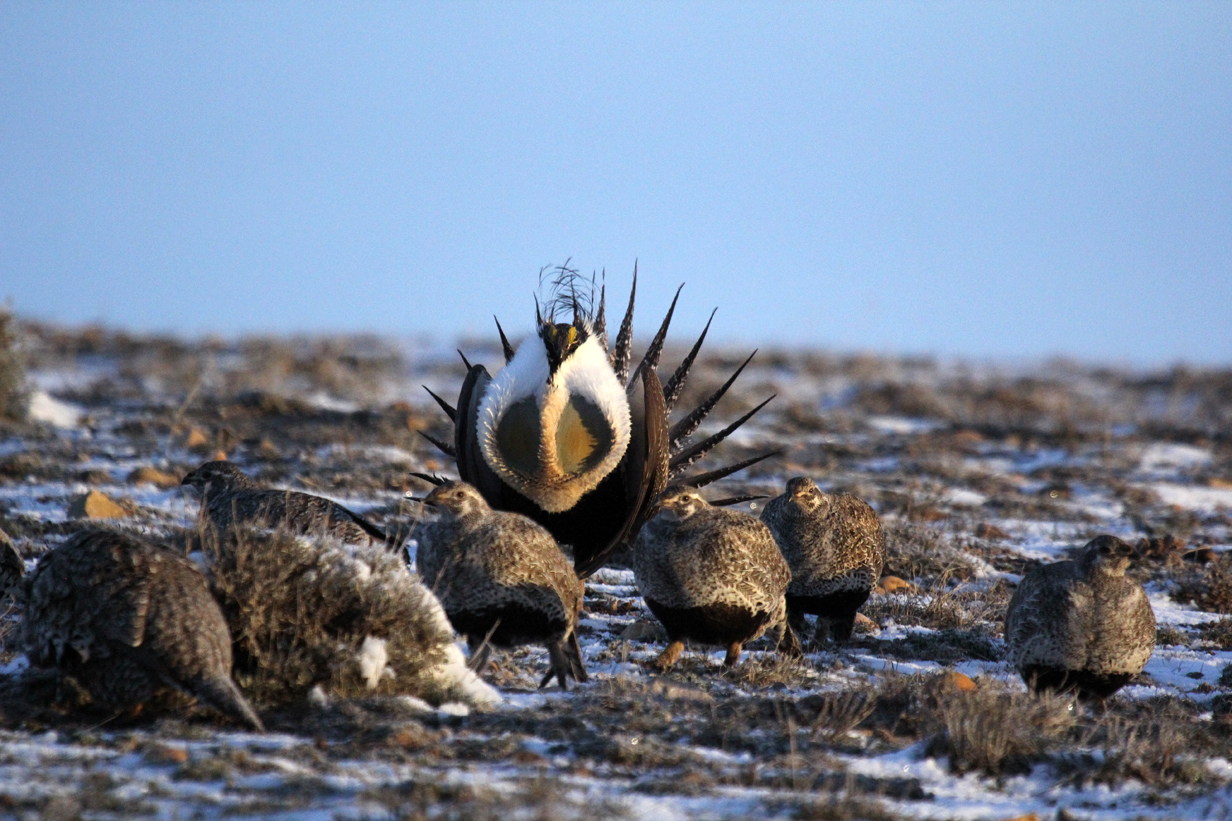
<point x="501" y="574"/>
<point x="127" y="619"/>
<point x="12" y="567"/>
<point x="230" y="497"/>
<point x="1080" y="624"/>
<point x="835" y="547"/>
<point x="710" y="575"/>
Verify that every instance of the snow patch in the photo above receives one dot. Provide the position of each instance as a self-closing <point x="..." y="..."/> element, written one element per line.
<point x="902" y="425"/>
<point x="373" y="656"/>
<point x="1169" y="456"/>
<point x="1198" y="499"/>
<point x="961" y="497"/>
<point x="47" y="409"/>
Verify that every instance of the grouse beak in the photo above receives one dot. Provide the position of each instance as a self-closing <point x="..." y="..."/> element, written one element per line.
<point x="558" y="339"/>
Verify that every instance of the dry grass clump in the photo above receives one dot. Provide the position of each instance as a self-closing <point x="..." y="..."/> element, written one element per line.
<point x="998" y="731"/>
<point x="1210" y="589"/>
<point x="543" y="798"/>
<point x="348" y="367"/>
<point x="1158" y="742"/>
<point x="769" y="669"/>
<point x="939" y="607"/>
<point x="13" y="397"/>
<point x="920" y="552"/>
<point x="944" y="646"/>
<point x="307" y="612"/>
<point x="832" y="715"/>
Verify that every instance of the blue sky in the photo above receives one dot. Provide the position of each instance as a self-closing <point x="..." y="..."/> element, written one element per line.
<point x="975" y="179"/>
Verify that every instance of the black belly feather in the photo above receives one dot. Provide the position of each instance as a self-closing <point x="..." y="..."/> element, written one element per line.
<point x="715" y="624"/>
<point x="518" y="625"/>
<point x="1088" y="685"/>
<point x="839" y="608"/>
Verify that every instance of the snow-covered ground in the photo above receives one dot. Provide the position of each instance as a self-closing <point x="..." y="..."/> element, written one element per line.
<point x="977" y="472"/>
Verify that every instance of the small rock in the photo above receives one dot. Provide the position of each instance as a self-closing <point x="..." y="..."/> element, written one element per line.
<point x="864" y="624"/>
<point x="957" y="681"/>
<point x="893" y="584"/>
<point x="968" y="440"/>
<point x="197" y="440"/>
<point x="644" y="630"/>
<point x="990" y="532"/>
<point x="94" y="505"/>
<point x="529" y="758"/>
<point x="219" y="455"/>
<point x="166" y="754"/>
<point x="147" y="475"/>
<point x="267" y="450"/>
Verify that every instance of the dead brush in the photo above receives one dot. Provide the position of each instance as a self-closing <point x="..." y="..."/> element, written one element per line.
<point x="539" y="798"/>
<point x="762" y="670"/>
<point x="916" y="551"/>
<point x="938" y="607"/>
<point x="831" y="716"/>
<point x="1211" y="588"/>
<point x="1161" y="748"/>
<point x="306" y="612"/>
<point x="997" y="731"/>
<point x="13" y="389"/>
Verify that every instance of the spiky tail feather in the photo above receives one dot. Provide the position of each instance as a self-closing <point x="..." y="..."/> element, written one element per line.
<point x="224" y="696"/>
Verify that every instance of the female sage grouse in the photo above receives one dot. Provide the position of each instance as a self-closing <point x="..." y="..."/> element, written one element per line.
<point x="835" y="547"/>
<point x="565" y="436"/>
<point x="1081" y="625"/>
<point x="129" y="619"/>
<point x="230" y="497"/>
<point x="711" y="575"/>
<point x="501" y="579"/>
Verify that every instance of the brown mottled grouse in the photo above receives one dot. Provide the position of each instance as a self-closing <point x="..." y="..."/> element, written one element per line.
<point x="500" y="576"/>
<point x="710" y="575"/>
<point x="835" y="547"/>
<point x="230" y="497"/>
<point x="129" y="619"/>
<point x="1081" y="625"/>
<point x="12" y="567"/>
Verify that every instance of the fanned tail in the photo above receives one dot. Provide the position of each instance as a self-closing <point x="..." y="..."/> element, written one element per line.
<point x="703" y="479"/>
<point x="444" y="447"/>
<point x="505" y="346"/>
<point x="682" y="460"/>
<point x="624" y="337"/>
<point x="651" y="357"/>
<point x="449" y="409"/>
<point x="685" y="427"/>
<point x="671" y="391"/>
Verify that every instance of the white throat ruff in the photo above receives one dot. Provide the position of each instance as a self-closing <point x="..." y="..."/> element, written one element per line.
<point x="554" y="437"/>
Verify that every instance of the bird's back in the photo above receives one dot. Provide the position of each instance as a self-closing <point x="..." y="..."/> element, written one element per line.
<point x="713" y="556"/>
<point x="301" y="513"/>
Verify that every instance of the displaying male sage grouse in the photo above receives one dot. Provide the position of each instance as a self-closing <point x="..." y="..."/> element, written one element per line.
<point x="501" y="579"/>
<point x="835" y="547"/>
<point x="565" y="436"/>
<point x="230" y="497"/>
<point x="711" y="575"/>
<point x="129" y="619"/>
<point x="1081" y="625"/>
